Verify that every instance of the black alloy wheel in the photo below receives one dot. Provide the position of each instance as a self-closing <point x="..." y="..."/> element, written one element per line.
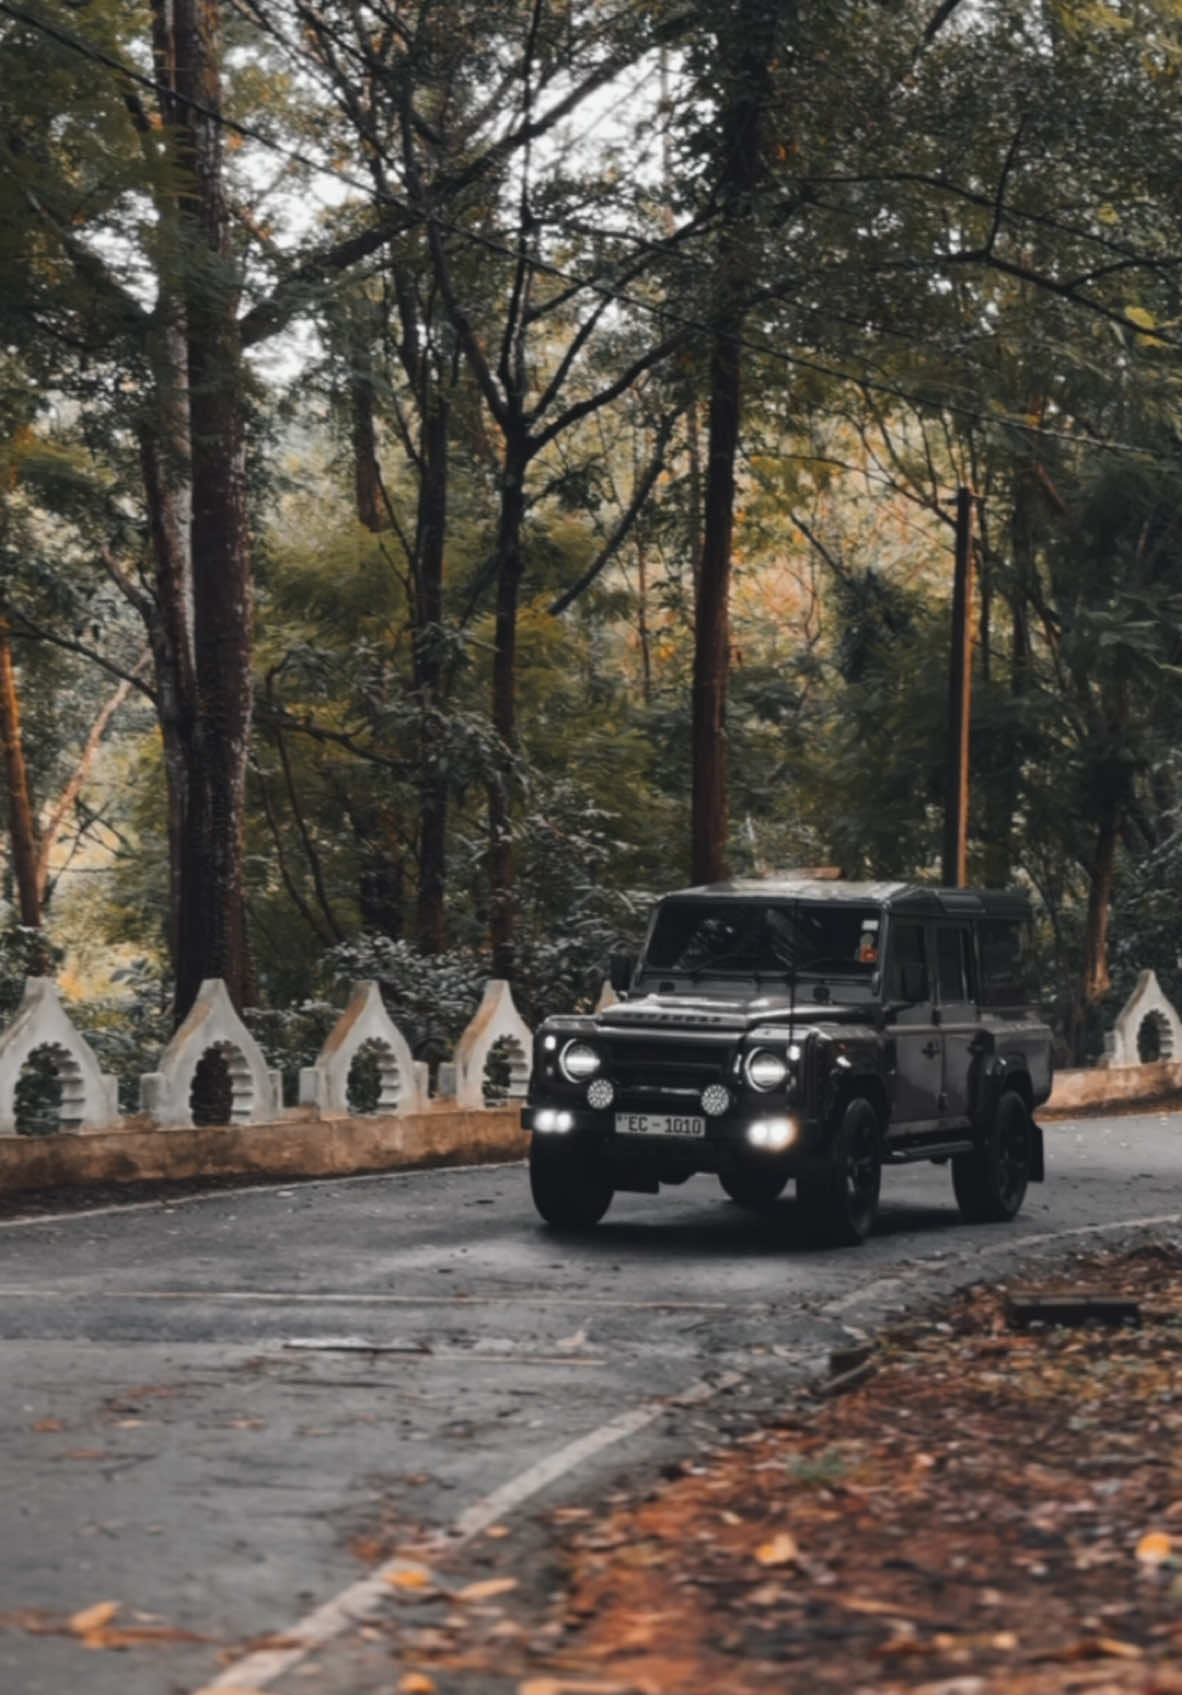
<point x="840" y="1204"/>
<point x="990" y="1183"/>
<point x="569" y="1184"/>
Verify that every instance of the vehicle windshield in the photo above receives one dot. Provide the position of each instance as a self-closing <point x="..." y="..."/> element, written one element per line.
<point x="701" y="938"/>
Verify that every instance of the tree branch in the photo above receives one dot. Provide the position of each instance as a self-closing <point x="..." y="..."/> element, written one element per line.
<point x="639" y="495"/>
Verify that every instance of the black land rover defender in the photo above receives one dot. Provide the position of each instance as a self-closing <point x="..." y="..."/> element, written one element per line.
<point x="802" y="1028"/>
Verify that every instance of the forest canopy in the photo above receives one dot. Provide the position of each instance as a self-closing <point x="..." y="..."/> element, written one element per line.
<point x="466" y="469"/>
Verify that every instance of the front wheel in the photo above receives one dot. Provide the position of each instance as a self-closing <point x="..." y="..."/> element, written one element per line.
<point x="840" y="1203"/>
<point x="570" y="1188"/>
<point x="990" y="1183"/>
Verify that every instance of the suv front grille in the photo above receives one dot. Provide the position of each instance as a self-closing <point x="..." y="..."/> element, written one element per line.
<point x="651" y="1065"/>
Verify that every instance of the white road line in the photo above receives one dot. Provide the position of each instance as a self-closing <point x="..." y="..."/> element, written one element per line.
<point x="366" y="1597"/>
<point x="283" y="1297"/>
<point x="170" y="1203"/>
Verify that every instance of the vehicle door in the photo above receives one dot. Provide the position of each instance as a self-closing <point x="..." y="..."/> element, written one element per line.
<point x="916" y="1054"/>
<point x="958" y="1015"/>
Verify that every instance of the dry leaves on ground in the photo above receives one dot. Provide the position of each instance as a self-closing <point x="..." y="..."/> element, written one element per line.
<point x="994" y="1512"/>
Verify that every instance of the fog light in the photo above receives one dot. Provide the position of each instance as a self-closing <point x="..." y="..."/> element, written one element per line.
<point x="715" y="1100"/>
<point x="548" y="1119"/>
<point x="774" y="1133"/>
<point x="781" y="1132"/>
<point x="601" y="1093"/>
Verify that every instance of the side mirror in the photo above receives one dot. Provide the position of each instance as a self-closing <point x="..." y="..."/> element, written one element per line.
<point x="621" y="971"/>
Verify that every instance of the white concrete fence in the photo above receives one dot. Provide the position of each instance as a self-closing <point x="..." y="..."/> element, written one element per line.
<point x="497" y="1038"/>
<point x="1147" y="1032"/>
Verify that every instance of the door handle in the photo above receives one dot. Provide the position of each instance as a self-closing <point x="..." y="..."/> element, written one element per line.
<point x="930" y="1049"/>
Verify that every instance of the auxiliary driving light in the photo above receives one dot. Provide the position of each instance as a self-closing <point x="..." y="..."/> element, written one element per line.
<point x="548" y="1119"/>
<point x="601" y="1092"/>
<point x="715" y="1100"/>
<point x="775" y="1134"/>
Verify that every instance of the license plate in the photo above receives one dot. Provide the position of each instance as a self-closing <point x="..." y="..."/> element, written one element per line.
<point x="658" y="1124"/>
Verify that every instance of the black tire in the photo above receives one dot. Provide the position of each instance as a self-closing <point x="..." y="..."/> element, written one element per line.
<point x="990" y="1183"/>
<point x="754" y="1188"/>
<point x="570" y="1187"/>
<point x="839" y="1204"/>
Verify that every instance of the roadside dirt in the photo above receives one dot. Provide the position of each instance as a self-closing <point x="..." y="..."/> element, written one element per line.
<point x="995" y="1506"/>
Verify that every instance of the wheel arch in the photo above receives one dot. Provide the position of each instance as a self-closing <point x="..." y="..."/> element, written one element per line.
<point x="1012" y="1077"/>
<point x="854" y="1086"/>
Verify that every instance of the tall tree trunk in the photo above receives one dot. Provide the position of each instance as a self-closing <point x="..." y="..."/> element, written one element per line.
<point x="21" y="830"/>
<point x="213" y="939"/>
<point x="1096" y="981"/>
<point x="429" y="550"/>
<point x="746" y="54"/>
<point x="712" y="618"/>
<point x="504" y="686"/>
<point x="367" y="479"/>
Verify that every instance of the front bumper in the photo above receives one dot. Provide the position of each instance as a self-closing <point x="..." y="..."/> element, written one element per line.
<point x="726" y="1139"/>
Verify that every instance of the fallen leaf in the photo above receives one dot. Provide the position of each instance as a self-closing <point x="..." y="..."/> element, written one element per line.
<point x="93" y="1618"/>
<point x="572" y="1686"/>
<point x="417" y="1683"/>
<point x="1154" y="1548"/>
<point x="496" y="1531"/>
<point x="45" y="1426"/>
<point x="876" y="1609"/>
<point x="780" y="1551"/>
<point x="486" y="1589"/>
<point x="767" y="1595"/>
<point x="1119" y="1650"/>
<point x="133" y="1635"/>
<point x="221" y="1689"/>
<point x="409" y="1577"/>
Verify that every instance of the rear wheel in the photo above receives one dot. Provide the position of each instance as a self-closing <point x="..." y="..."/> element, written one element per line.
<point x="570" y="1187"/>
<point x="840" y="1203"/>
<point x="990" y="1183"/>
<point x="753" y="1188"/>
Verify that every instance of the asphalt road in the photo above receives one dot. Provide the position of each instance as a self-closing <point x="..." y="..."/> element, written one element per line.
<point x="216" y="1411"/>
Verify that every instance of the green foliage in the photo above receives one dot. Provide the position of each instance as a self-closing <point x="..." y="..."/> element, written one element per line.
<point x="954" y="276"/>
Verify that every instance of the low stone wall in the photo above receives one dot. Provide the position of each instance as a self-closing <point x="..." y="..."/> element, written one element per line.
<point x="298" y="1145"/>
<point x="301" y="1144"/>
<point x="1112" y="1086"/>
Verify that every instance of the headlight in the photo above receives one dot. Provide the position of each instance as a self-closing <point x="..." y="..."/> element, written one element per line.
<point x="765" y="1069"/>
<point x="578" y="1062"/>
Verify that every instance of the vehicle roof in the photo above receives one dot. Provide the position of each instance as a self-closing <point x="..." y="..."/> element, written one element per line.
<point x="920" y="898"/>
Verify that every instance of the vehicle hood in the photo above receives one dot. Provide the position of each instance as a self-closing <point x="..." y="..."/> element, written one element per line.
<point x="705" y="1011"/>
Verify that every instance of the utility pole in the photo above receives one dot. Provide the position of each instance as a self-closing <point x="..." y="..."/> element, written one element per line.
<point x="960" y="683"/>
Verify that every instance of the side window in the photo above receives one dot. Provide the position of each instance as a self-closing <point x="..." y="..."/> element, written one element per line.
<point x="1004" y="965"/>
<point x="908" y="975"/>
<point x="955" y="964"/>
